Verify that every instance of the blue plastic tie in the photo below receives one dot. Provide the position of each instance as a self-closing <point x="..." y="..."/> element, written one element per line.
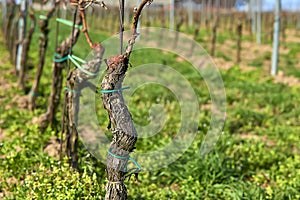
<point x="126" y="158"/>
<point x="69" y="90"/>
<point x="74" y="58"/>
<point x="58" y="59"/>
<point x="43" y="17"/>
<point x="32" y="94"/>
<point x="68" y="23"/>
<point x="79" y="59"/>
<point x="115" y="90"/>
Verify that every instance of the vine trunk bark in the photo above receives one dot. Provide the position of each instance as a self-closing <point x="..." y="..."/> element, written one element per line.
<point x="124" y="132"/>
<point x="239" y="41"/>
<point x="121" y="124"/>
<point x="214" y="36"/>
<point x="26" y="47"/>
<point x="77" y="79"/>
<point x="42" y="53"/>
<point x="62" y="51"/>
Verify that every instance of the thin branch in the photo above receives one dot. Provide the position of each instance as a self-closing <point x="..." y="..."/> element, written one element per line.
<point x="85" y="30"/>
<point x="82" y="5"/>
<point x="121" y="2"/>
<point x="134" y="27"/>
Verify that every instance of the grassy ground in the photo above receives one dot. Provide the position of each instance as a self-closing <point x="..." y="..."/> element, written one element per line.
<point x="257" y="157"/>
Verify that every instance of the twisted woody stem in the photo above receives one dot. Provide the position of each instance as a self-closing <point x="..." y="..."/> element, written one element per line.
<point x="134" y="27"/>
<point x="121" y="124"/>
<point x="44" y="28"/>
<point x="82" y="6"/>
<point x="77" y="80"/>
<point x="62" y="52"/>
<point x="85" y="30"/>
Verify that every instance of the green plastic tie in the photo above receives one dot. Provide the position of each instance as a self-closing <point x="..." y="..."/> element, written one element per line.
<point x="126" y="158"/>
<point x="43" y="17"/>
<point x="69" y="90"/>
<point x="32" y="94"/>
<point x="74" y="58"/>
<point x="115" y="90"/>
<point x="79" y="59"/>
<point x="68" y="23"/>
<point x="58" y="59"/>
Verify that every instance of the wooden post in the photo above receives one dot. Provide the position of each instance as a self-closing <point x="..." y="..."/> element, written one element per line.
<point x="214" y="36"/>
<point x="4" y="11"/>
<point x="26" y="47"/>
<point x="21" y="33"/>
<point x="203" y="13"/>
<point x="298" y="20"/>
<point x="253" y="20"/>
<point x="196" y="33"/>
<point x="190" y="13"/>
<point x="162" y="17"/>
<point x="9" y="23"/>
<point x="139" y="22"/>
<point x="231" y="24"/>
<point x="13" y="40"/>
<point x="276" y="39"/>
<point x="172" y="14"/>
<point x="283" y="25"/>
<point x="249" y="28"/>
<point x="258" y="29"/>
<point x="265" y="27"/>
<point x="178" y="25"/>
<point x="271" y="29"/>
<point x="63" y="13"/>
<point x="209" y="10"/>
<point x="239" y="40"/>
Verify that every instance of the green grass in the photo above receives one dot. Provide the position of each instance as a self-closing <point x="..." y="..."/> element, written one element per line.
<point x="257" y="157"/>
<point x="220" y="54"/>
<point x="289" y="61"/>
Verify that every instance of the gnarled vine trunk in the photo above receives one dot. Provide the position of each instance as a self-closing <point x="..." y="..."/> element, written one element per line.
<point x="121" y="124"/>
<point x="77" y="79"/>
<point x="62" y="51"/>
<point x="125" y="135"/>
<point x="42" y="53"/>
<point x="26" y="47"/>
<point x="214" y="36"/>
<point x="8" y="23"/>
